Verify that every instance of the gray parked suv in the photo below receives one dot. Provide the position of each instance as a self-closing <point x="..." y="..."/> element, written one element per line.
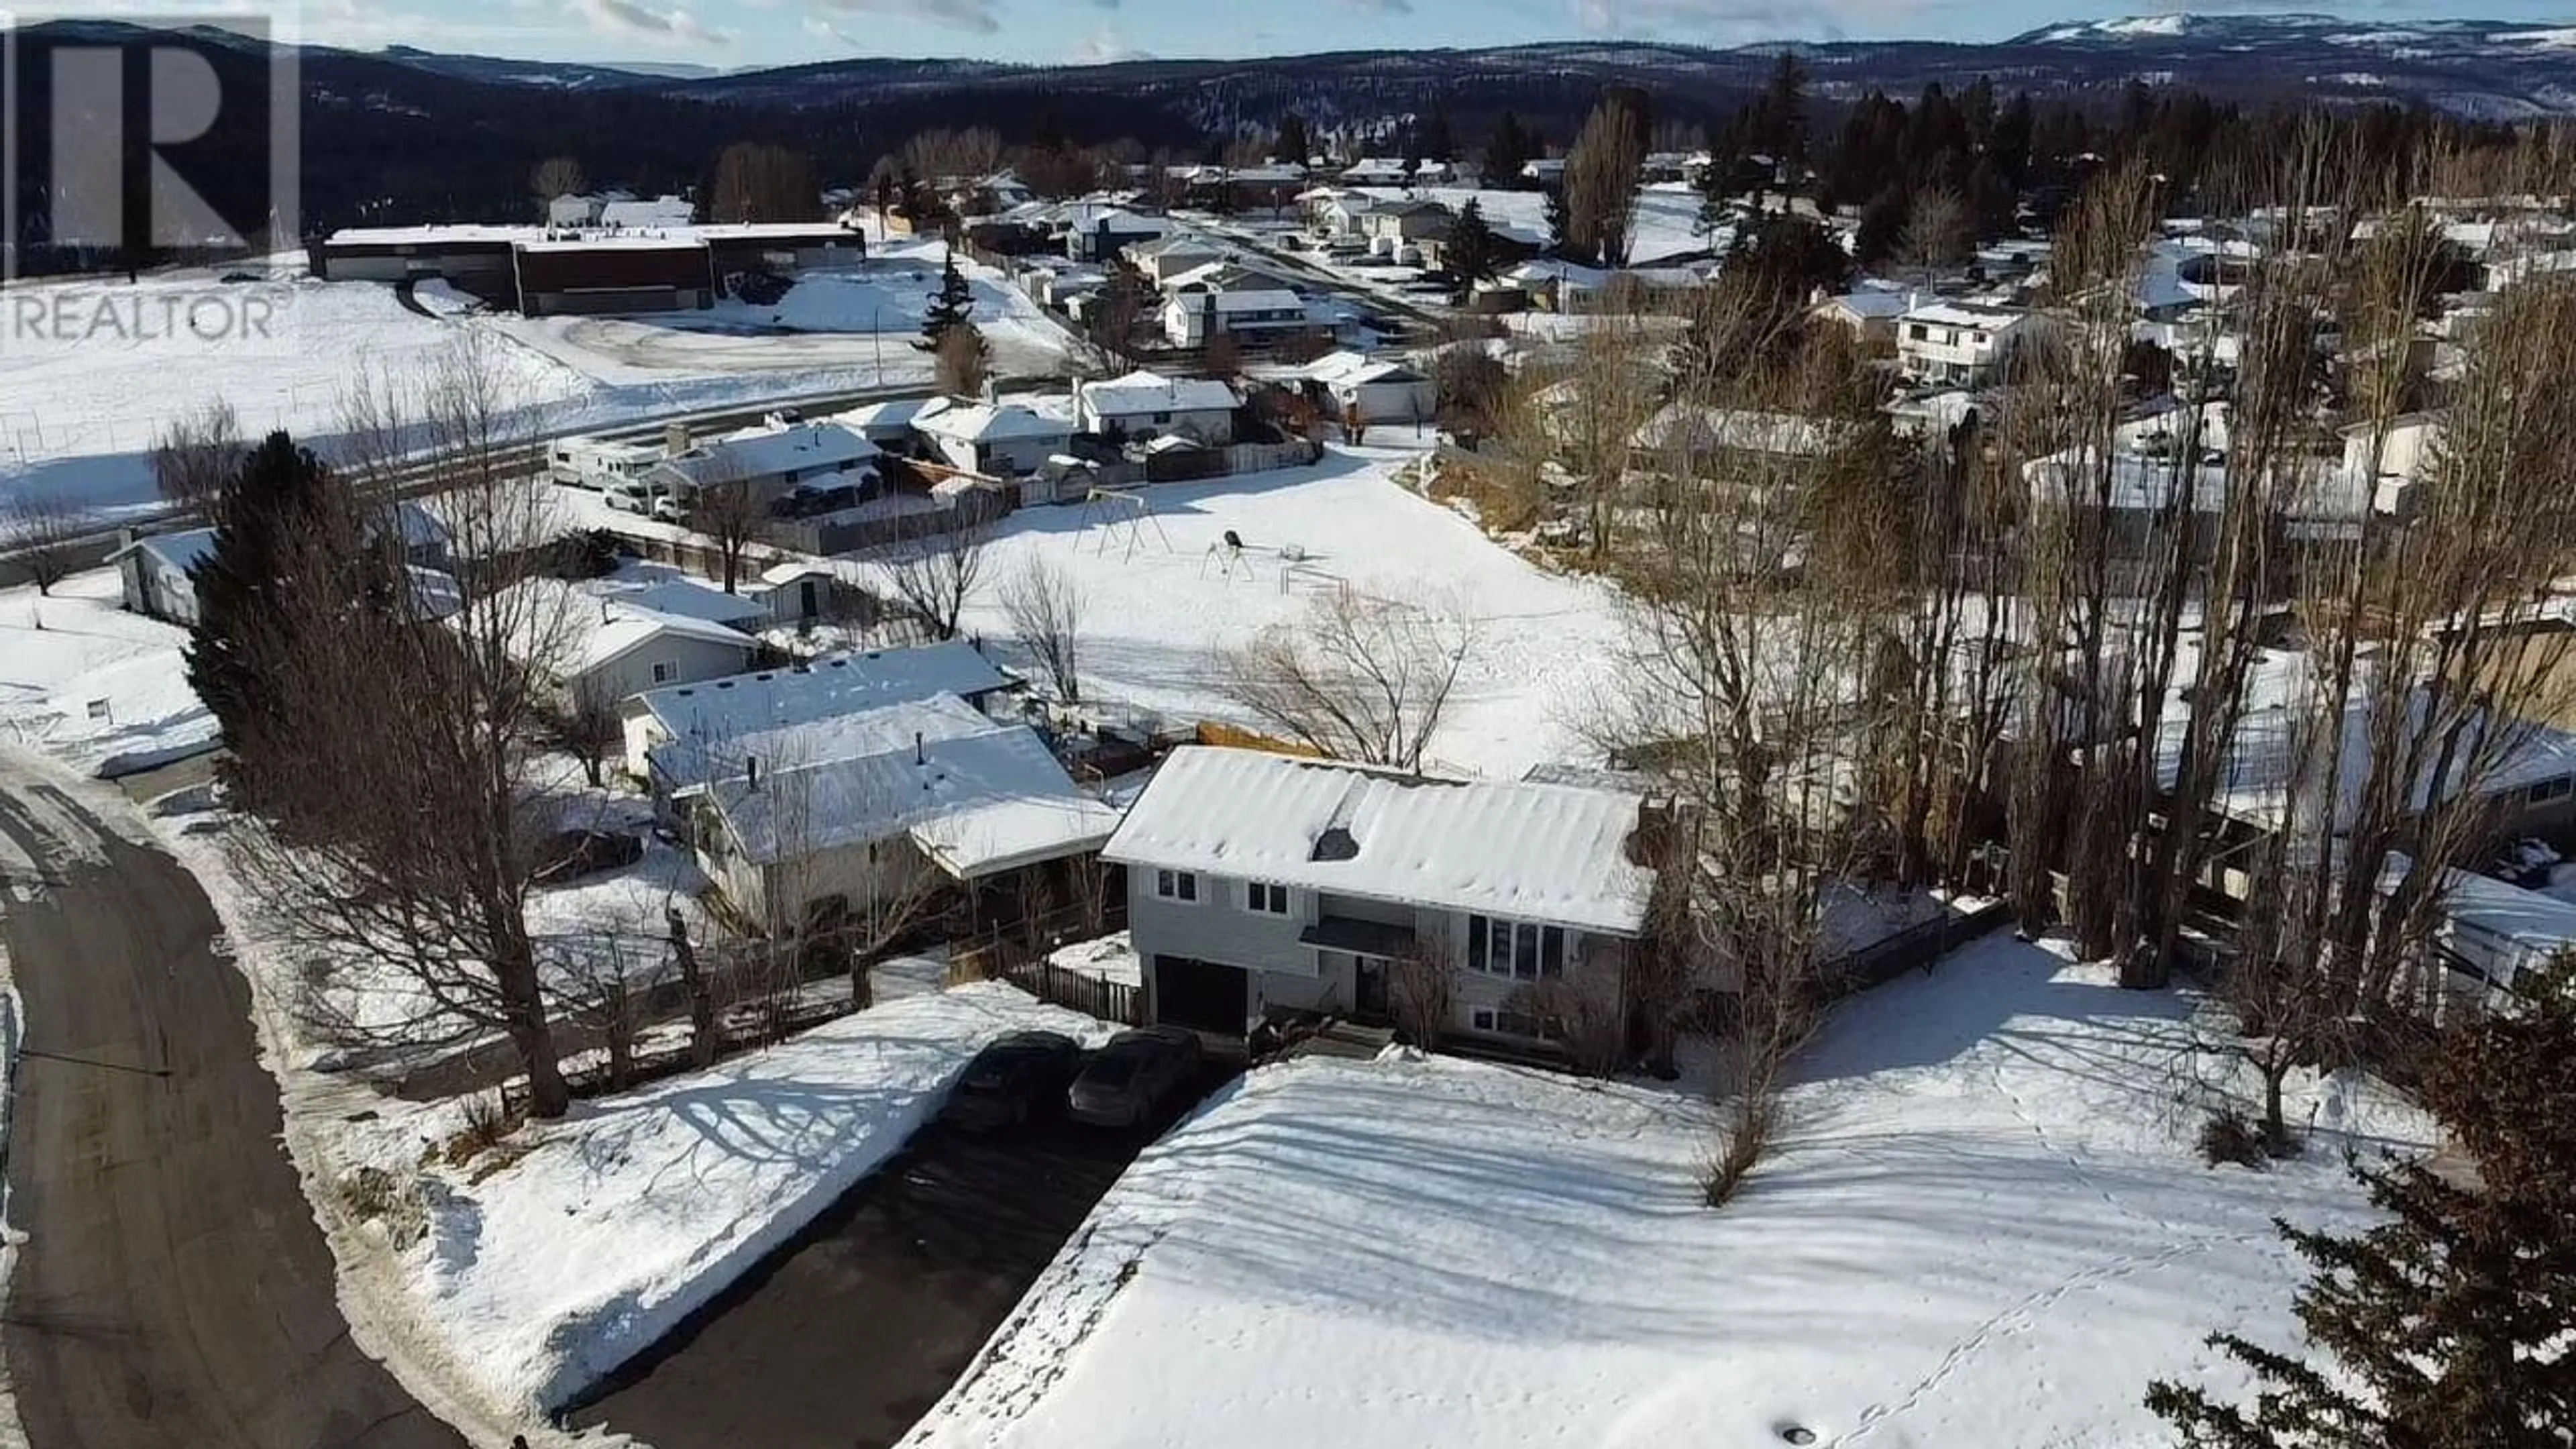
<point x="1134" y="1076"/>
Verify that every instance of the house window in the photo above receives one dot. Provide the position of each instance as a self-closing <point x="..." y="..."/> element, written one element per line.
<point x="1268" y="899"/>
<point x="665" y="670"/>
<point x="1162" y="417"/>
<point x="1919" y="332"/>
<point x="1176" y="885"/>
<point x="1499" y="1022"/>
<point x="2549" y="791"/>
<point x="1517" y="949"/>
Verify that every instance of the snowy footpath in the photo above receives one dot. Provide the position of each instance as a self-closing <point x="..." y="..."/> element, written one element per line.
<point x="1985" y="1226"/>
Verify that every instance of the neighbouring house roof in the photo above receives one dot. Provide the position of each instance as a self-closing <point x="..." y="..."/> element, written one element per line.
<point x="1259" y="299"/>
<point x="975" y="804"/>
<point x="694" y="601"/>
<point x="1353" y="369"/>
<point x="2275" y="767"/>
<point x="1527" y="851"/>
<point x="2529" y="926"/>
<point x="695" y="759"/>
<point x="178" y="552"/>
<point x="767" y="452"/>
<point x="1966" y="314"/>
<point x="569" y="630"/>
<point x="1872" y="303"/>
<point x="842" y="684"/>
<point x="1699" y="428"/>
<point x="890" y="416"/>
<point x="2138" y="483"/>
<point x="1151" y="392"/>
<point x="986" y="422"/>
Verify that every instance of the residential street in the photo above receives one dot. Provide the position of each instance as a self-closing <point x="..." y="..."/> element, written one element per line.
<point x="174" y="1289"/>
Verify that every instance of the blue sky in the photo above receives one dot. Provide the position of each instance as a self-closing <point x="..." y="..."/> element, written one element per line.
<point x="731" y="33"/>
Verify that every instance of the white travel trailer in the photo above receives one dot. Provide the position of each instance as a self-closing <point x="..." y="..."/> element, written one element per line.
<point x="596" y="463"/>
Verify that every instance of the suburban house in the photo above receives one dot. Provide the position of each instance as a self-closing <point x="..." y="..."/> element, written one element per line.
<point x="1145" y="405"/>
<point x="629" y="214"/>
<point x="887" y="424"/>
<point x="794" y="845"/>
<point x="1392" y="223"/>
<point x="1260" y="883"/>
<point x="1962" y="343"/>
<point x="1871" y="313"/>
<point x="997" y="439"/>
<point x="1100" y="234"/>
<point x="1167" y="257"/>
<point x="157" y="573"/>
<point x="574" y="209"/>
<point x="156" y="569"/>
<point x="2394" y="458"/>
<point x="1698" y="433"/>
<point x="601" y="644"/>
<point x="1383" y="389"/>
<point x="1254" y="316"/>
<point x="769" y="460"/>
<point x="2490" y="933"/>
<point x="718" y="710"/>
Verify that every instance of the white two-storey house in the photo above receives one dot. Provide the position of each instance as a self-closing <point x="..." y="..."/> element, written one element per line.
<point x="1960" y="343"/>
<point x="1260" y="883"/>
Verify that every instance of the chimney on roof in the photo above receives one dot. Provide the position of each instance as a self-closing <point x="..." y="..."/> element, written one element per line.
<point x="751" y="770"/>
<point x="675" y="438"/>
<point x="917" y="757"/>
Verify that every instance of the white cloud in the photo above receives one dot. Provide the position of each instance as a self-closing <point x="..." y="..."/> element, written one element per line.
<point x="634" y="19"/>
<point x="1104" y="46"/>
<point x="980" y="16"/>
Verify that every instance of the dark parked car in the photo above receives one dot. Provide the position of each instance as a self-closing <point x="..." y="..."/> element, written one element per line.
<point x="1134" y="1076"/>
<point x="1014" y="1079"/>
<point x="815" y="500"/>
<point x="574" y="853"/>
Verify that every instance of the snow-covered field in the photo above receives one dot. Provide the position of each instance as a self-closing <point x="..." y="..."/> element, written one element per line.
<point x="1158" y="603"/>
<point x="544" y="1273"/>
<point x="83" y="396"/>
<point x="91" y="684"/>
<point x="840" y="330"/>
<point x="1985" y="1226"/>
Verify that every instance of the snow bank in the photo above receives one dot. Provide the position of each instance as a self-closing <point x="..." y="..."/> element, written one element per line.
<point x="548" y="1273"/>
<point x="1985" y="1226"/>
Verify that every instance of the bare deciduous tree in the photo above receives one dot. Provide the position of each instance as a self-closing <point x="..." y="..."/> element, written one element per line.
<point x="41" y="530"/>
<point x="935" y="567"/>
<point x="556" y="176"/>
<point x="1601" y="176"/>
<point x="732" y="515"/>
<point x="758" y="182"/>
<point x="960" y="361"/>
<point x="195" y="454"/>
<point x="1936" y="235"/>
<point x="1045" y="607"/>
<point x="1422" y="991"/>
<point x="1358" y="677"/>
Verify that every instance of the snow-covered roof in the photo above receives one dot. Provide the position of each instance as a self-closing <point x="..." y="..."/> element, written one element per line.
<point x="178" y="552"/>
<point x="2538" y="926"/>
<point x="1258" y="299"/>
<point x="1143" y="391"/>
<point x="1699" y="427"/>
<point x="2275" y="765"/>
<point x="570" y="629"/>
<point x="1872" y="302"/>
<point x="892" y="415"/>
<point x="1353" y="369"/>
<point x="693" y="601"/>
<point x="768" y="452"/>
<point x="661" y="211"/>
<point x="1966" y="314"/>
<point x="842" y="684"/>
<point x="2137" y="483"/>
<point x="975" y="804"/>
<point x="1526" y="851"/>
<point x="695" y="759"/>
<point x="986" y="422"/>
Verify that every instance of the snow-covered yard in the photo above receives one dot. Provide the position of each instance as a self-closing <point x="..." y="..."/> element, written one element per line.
<point x="1986" y="1226"/>
<point x="1159" y="602"/>
<point x="542" y="1273"/>
<point x="91" y="684"/>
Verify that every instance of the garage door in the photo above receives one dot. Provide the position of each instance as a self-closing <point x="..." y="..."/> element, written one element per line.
<point x="1200" y="994"/>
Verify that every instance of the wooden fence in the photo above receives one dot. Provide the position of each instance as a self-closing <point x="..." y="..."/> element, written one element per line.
<point x="1913" y="948"/>
<point x="1116" y="1002"/>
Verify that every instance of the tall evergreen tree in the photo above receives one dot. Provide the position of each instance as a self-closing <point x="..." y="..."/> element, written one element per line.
<point x="1510" y="149"/>
<point x="949" y="308"/>
<point x="282" y="495"/>
<point x="1470" y="255"/>
<point x="1555" y="218"/>
<point x="1433" y="139"/>
<point x="2446" y="1325"/>
<point x="1292" y="145"/>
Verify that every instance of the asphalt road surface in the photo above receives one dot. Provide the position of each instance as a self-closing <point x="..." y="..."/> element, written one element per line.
<point x="174" y="1289"/>
<point x="845" y="1337"/>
